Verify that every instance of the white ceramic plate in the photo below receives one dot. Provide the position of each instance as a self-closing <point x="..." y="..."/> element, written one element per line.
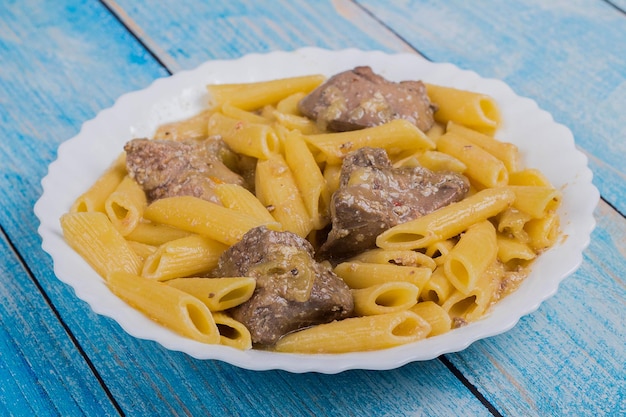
<point x="84" y="157"/>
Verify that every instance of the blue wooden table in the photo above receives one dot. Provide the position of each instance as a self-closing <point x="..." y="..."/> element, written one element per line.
<point x="63" y="61"/>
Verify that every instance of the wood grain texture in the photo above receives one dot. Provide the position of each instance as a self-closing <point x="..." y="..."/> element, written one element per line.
<point x="571" y="59"/>
<point x="78" y="59"/>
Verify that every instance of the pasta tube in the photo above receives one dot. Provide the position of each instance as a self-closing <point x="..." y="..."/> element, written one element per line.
<point x="396" y="257"/>
<point x="482" y="166"/>
<point x="357" y="334"/>
<point x="257" y="140"/>
<point x="358" y="274"/>
<point x="471" y="256"/>
<point x="542" y="233"/>
<point x="236" y="197"/>
<point x="396" y="136"/>
<point x="168" y="306"/>
<point x="435" y="315"/>
<point x="183" y="257"/>
<point x="475" y="110"/>
<point x="252" y="96"/>
<point x="125" y="206"/>
<point x="232" y="332"/>
<point x="93" y="237"/>
<point x="446" y="222"/>
<point x="93" y="199"/>
<point x="536" y="201"/>
<point x="155" y="234"/>
<point x="438" y="288"/>
<point x="193" y="128"/>
<point x="276" y="188"/>
<point x="204" y="218"/>
<point x="388" y="297"/>
<point x="217" y="293"/>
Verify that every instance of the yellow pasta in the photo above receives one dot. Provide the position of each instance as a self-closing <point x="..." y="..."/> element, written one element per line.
<point x="204" y="218"/>
<point x="482" y="167"/>
<point x="125" y="205"/>
<point x="504" y="151"/>
<point x="93" y="199"/>
<point x="93" y="237"/>
<point x="471" y="256"/>
<point x="448" y="221"/>
<point x="397" y="257"/>
<point x="357" y="334"/>
<point x="309" y="179"/>
<point x="396" y="136"/>
<point x="183" y="257"/>
<point x="232" y="332"/>
<point x="435" y="161"/>
<point x="233" y="112"/>
<point x="155" y="234"/>
<point x="538" y="201"/>
<point x="168" y="306"/>
<point x="511" y="249"/>
<point x="529" y="176"/>
<point x="358" y="274"/>
<point x="475" y="110"/>
<point x="236" y="197"/>
<point x="512" y="221"/>
<point x="257" y="140"/>
<point x="142" y="249"/>
<point x="543" y="233"/>
<point x="295" y="122"/>
<point x="438" y="288"/>
<point x="435" y="315"/>
<point x="437" y="251"/>
<point x="193" y="128"/>
<point x="289" y="105"/>
<point x="251" y="96"/>
<point x="388" y="297"/>
<point x="276" y="188"/>
<point x="217" y="293"/>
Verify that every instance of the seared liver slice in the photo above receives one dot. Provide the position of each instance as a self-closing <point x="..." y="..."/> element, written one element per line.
<point x="360" y="98"/>
<point x="292" y="290"/>
<point x="167" y="168"/>
<point x="373" y="197"/>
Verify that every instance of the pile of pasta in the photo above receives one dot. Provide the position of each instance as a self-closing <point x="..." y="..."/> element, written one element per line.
<point x="425" y="277"/>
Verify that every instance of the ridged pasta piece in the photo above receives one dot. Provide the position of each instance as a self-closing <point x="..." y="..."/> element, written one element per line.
<point x="168" y="306"/>
<point x="357" y="274"/>
<point x="232" y="332"/>
<point x="357" y="334"/>
<point x="93" y="199"/>
<point x="388" y="297"/>
<point x="125" y="205"/>
<point x="435" y="315"/>
<point x="217" y="293"/>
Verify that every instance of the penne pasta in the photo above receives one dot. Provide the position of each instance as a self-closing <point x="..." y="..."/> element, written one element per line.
<point x="471" y="256"/>
<point x="155" y="234"/>
<point x="482" y="167"/>
<point x="236" y="197"/>
<point x="232" y="332"/>
<point x="511" y="249"/>
<point x="475" y="110"/>
<point x="173" y="308"/>
<point x="438" y="288"/>
<point x="93" y="237"/>
<point x="504" y="151"/>
<point x="448" y="221"/>
<point x="362" y="275"/>
<point x="183" y="257"/>
<point x="396" y="257"/>
<point x="257" y="140"/>
<point x="435" y="315"/>
<point x="529" y="176"/>
<point x="125" y="205"/>
<point x="396" y="136"/>
<point x="217" y="293"/>
<point x="388" y="297"/>
<point x="543" y="233"/>
<point x="309" y="179"/>
<point x="193" y="128"/>
<point x="204" y="218"/>
<point x="538" y="202"/>
<point x="357" y="334"/>
<point x="251" y="96"/>
<point x="94" y="198"/>
<point x="276" y="188"/>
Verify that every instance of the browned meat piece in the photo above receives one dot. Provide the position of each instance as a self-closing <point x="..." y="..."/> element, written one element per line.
<point x="292" y="290"/>
<point x="373" y="197"/>
<point x="166" y="168"/>
<point x="360" y="98"/>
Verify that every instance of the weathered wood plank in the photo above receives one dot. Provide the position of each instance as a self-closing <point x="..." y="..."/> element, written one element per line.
<point x="46" y="96"/>
<point x="39" y="364"/>
<point x="570" y="56"/>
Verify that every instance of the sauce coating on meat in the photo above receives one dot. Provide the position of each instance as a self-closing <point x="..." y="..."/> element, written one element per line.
<point x="292" y="289"/>
<point x="167" y="168"/>
<point x="373" y="197"/>
<point x="360" y="98"/>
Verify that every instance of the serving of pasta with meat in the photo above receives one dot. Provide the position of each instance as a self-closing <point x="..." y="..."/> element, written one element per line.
<point x="318" y="215"/>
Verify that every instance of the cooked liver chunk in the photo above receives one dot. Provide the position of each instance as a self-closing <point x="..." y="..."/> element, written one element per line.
<point x="360" y="98"/>
<point x="166" y="168"/>
<point x="292" y="290"/>
<point x="373" y="197"/>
